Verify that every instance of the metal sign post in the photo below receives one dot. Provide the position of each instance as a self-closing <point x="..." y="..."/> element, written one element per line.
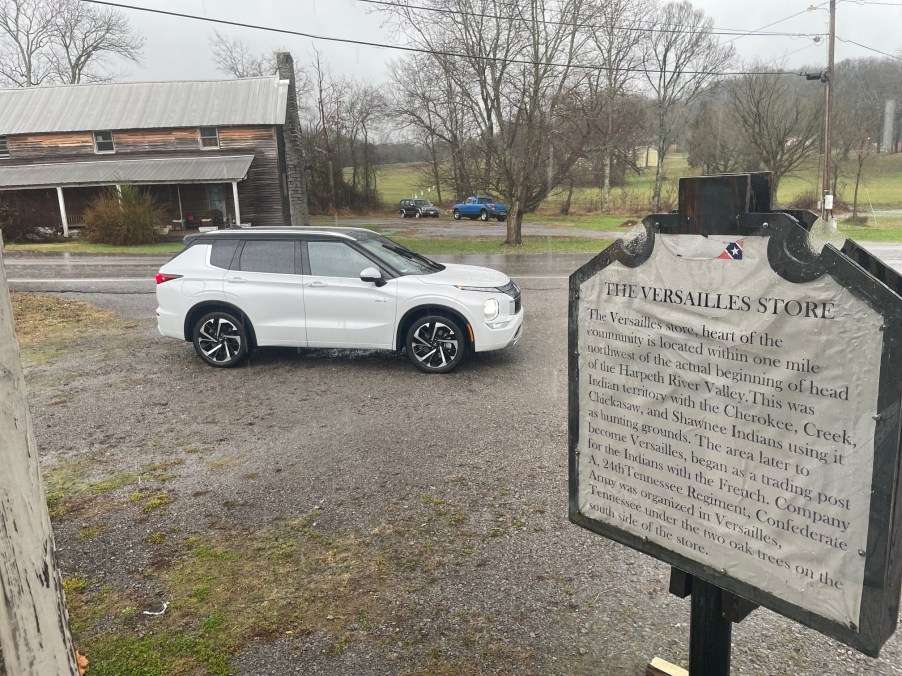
<point x="734" y="411"/>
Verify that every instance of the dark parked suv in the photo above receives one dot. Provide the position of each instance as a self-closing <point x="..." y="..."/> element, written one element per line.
<point x="418" y="209"/>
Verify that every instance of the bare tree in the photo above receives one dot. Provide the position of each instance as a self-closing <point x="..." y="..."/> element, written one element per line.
<point x="233" y="56"/>
<point x="715" y="142"/>
<point x="62" y="41"/>
<point x="682" y="58"/>
<point x="619" y="38"/>
<point x="427" y="105"/>
<point x="862" y="155"/>
<point x="86" y="38"/>
<point x="516" y="69"/>
<point x="781" y="121"/>
<point x="26" y="38"/>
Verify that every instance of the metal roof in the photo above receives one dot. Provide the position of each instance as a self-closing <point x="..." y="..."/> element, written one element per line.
<point x="220" y="169"/>
<point x="143" y="105"/>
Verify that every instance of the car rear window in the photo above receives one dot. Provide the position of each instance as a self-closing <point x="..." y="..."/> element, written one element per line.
<point x="222" y="252"/>
<point x="267" y="256"/>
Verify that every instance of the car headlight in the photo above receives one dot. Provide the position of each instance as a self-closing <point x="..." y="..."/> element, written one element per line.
<point x="491" y="308"/>
<point x="483" y="289"/>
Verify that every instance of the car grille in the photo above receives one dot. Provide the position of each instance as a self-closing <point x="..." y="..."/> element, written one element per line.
<point x="512" y="290"/>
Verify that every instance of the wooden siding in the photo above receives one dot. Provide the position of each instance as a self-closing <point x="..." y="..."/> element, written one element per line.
<point x="261" y="194"/>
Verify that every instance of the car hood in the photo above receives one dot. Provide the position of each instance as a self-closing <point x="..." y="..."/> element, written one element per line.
<point x="466" y="275"/>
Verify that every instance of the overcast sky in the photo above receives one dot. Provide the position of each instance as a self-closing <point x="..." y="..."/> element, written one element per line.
<point x="178" y="48"/>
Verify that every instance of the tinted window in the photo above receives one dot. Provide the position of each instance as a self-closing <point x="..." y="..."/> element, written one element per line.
<point x="223" y="250"/>
<point x="336" y="259"/>
<point x="267" y="256"/>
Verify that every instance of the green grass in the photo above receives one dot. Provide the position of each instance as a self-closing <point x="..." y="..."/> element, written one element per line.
<point x="881" y="183"/>
<point x="887" y="229"/>
<point x="494" y="245"/>
<point x="399" y="181"/>
<point x="77" y="246"/>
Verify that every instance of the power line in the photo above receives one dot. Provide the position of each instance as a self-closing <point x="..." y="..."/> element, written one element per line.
<point x="892" y="56"/>
<point x="791" y="16"/>
<point x="434" y="52"/>
<point x="739" y="32"/>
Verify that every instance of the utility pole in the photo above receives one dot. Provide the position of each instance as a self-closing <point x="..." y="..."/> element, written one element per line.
<point x="827" y="196"/>
<point x="34" y="628"/>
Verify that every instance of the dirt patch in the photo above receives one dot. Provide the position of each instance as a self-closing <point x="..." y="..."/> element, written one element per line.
<point x="48" y="318"/>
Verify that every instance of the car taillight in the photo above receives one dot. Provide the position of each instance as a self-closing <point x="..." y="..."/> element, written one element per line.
<point x="165" y="278"/>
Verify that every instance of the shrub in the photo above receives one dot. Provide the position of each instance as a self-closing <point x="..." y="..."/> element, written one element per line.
<point x="804" y="200"/>
<point x="18" y="219"/>
<point x="125" y="219"/>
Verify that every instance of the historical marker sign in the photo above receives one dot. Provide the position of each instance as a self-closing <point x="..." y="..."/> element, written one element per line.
<point x="734" y="411"/>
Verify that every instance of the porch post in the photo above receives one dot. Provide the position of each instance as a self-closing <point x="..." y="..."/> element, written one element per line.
<point x="63" y="217"/>
<point x="237" y="207"/>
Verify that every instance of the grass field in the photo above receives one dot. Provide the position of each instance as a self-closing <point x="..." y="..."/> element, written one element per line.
<point x="881" y="186"/>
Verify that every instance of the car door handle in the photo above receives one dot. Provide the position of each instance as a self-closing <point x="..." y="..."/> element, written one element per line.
<point x="236" y="280"/>
<point x="317" y="284"/>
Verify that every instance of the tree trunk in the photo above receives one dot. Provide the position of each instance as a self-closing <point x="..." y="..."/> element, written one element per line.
<point x="34" y="627"/>
<point x="514" y="225"/>
<point x="608" y="158"/>
<point x="565" y="208"/>
<point x="606" y="181"/>
<point x="659" y="180"/>
<point x="855" y="198"/>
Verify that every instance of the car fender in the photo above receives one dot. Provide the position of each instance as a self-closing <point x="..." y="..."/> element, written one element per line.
<point x="428" y="302"/>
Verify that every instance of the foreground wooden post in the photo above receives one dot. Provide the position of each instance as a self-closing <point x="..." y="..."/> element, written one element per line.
<point x="34" y="628"/>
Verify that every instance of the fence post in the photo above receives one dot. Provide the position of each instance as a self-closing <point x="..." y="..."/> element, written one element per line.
<point x="34" y="627"/>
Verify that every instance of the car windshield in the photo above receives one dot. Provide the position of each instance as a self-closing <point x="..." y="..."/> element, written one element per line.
<point x="405" y="261"/>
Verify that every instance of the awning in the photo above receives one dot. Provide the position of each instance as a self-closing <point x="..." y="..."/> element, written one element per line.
<point x="218" y="169"/>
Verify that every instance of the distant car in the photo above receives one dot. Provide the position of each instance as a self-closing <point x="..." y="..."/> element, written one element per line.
<point x="230" y="291"/>
<point x="418" y="209"/>
<point x="482" y="207"/>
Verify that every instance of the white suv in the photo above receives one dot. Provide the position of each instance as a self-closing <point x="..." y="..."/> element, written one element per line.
<point x="230" y="291"/>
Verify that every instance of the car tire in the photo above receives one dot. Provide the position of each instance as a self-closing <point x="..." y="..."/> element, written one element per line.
<point x="436" y="344"/>
<point x="403" y="213"/>
<point x="483" y="215"/>
<point x="456" y="214"/>
<point x="417" y="214"/>
<point x="501" y="219"/>
<point x="220" y="339"/>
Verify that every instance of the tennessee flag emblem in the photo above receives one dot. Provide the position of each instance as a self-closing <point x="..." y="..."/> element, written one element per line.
<point x="733" y="251"/>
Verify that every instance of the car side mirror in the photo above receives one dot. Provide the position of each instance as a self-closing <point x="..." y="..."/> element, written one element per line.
<point x="372" y="275"/>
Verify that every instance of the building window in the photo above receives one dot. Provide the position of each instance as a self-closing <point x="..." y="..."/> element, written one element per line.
<point x="209" y="137"/>
<point x="103" y="142"/>
<point x="4" y="147"/>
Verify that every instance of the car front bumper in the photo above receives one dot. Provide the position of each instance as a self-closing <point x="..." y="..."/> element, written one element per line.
<point x="488" y="338"/>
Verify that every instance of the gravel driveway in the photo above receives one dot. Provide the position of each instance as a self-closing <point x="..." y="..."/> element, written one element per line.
<point x="458" y="482"/>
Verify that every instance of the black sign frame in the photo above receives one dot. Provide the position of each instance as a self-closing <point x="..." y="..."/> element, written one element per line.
<point x="791" y="257"/>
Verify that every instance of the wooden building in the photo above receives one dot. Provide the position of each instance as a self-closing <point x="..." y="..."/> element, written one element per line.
<point x="210" y="152"/>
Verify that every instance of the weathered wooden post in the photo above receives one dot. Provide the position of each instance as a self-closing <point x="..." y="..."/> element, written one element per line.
<point x="34" y="628"/>
<point x="735" y="399"/>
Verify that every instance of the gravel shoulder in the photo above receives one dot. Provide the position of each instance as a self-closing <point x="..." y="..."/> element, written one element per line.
<point x="436" y="508"/>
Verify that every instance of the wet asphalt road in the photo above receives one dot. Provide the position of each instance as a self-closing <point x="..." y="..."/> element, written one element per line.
<point x="90" y="273"/>
<point x="97" y="273"/>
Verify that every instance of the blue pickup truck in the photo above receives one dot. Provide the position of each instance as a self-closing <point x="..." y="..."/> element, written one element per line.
<point x="482" y="207"/>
